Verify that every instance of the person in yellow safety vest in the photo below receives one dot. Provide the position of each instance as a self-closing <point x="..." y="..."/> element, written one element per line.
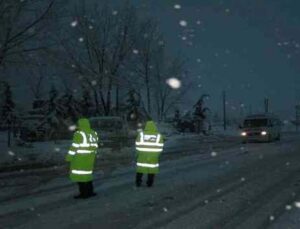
<point x="149" y="145"/>
<point x="81" y="156"/>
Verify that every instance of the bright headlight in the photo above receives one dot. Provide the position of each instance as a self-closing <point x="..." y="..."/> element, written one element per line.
<point x="264" y="133"/>
<point x="244" y="134"/>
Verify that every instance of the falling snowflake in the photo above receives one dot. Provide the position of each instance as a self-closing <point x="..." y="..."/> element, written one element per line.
<point x="213" y="154"/>
<point x="287" y="164"/>
<point x="183" y="38"/>
<point x="11" y="153"/>
<point x="135" y="51"/>
<point x="57" y="149"/>
<point x="73" y="66"/>
<point x="297" y="204"/>
<point x="198" y="22"/>
<point x="272" y="217"/>
<point x="80" y="39"/>
<point x="183" y="23"/>
<point x="288" y="207"/>
<point x="94" y="82"/>
<point x="199" y="60"/>
<point x="243" y="179"/>
<point x="115" y="12"/>
<point x="161" y="43"/>
<point x="173" y="83"/>
<point x="72" y="128"/>
<point x="199" y="85"/>
<point x="74" y="23"/>
<point x="206" y="201"/>
<point x="177" y="6"/>
<point x="165" y="209"/>
<point x="91" y="27"/>
<point x="132" y="116"/>
<point x="227" y="10"/>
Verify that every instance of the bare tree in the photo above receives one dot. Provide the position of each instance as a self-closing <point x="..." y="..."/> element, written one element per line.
<point x="21" y="23"/>
<point x="147" y="45"/>
<point x="103" y="40"/>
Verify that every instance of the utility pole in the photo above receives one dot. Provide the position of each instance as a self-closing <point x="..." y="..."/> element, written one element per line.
<point x="224" y="110"/>
<point x="266" y="105"/>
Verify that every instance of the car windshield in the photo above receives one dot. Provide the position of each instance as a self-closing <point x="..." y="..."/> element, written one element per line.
<point x="255" y="122"/>
<point x="106" y="125"/>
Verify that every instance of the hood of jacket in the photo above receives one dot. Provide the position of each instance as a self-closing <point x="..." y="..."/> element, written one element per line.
<point x="84" y="125"/>
<point x="150" y="128"/>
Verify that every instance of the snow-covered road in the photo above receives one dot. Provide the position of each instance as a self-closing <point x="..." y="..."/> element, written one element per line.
<point x="234" y="186"/>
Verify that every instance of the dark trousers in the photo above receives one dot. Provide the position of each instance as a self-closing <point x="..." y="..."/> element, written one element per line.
<point x="139" y="179"/>
<point x="86" y="189"/>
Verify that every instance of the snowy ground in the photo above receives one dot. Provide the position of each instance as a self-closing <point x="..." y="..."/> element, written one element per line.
<point x="204" y="183"/>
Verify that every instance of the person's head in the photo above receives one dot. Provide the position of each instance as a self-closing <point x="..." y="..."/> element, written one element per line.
<point x="83" y="124"/>
<point x="150" y="127"/>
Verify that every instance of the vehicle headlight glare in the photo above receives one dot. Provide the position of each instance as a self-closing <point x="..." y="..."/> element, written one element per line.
<point x="244" y="134"/>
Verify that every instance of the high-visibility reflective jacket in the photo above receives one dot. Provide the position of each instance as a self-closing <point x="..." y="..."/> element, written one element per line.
<point x="82" y="152"/>
<point x="149" y="145"/>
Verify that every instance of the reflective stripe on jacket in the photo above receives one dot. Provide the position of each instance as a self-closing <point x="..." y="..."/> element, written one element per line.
<point x="148" y="147"/>
<point x="82" y="156"/>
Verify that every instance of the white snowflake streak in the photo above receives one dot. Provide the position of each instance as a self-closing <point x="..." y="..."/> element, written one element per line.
<point x="80" y="39"/>
<point x="183" y="23"/>
<point x="297" y="204"/>
<point x="288" y="207"/>
<point x="135" y="51"/>
<point x="213" y="154"/>
<point x="272" y="217"/>
<point x="177" y="6"/>
<point x="72" y="128"/>
<point x="74" y="23"/>
<point x="11" y="153"/>
<point x="174" y="83"/>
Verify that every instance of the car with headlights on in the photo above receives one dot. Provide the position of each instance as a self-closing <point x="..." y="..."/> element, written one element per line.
<point x="260" y="128"/>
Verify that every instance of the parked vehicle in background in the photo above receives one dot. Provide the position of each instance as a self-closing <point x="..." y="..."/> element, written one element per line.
<point x="113" y="131"/>
<point x="261" y="127"/>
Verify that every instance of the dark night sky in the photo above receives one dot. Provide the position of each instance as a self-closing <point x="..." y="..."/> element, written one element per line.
<point x="249" y="48"/>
